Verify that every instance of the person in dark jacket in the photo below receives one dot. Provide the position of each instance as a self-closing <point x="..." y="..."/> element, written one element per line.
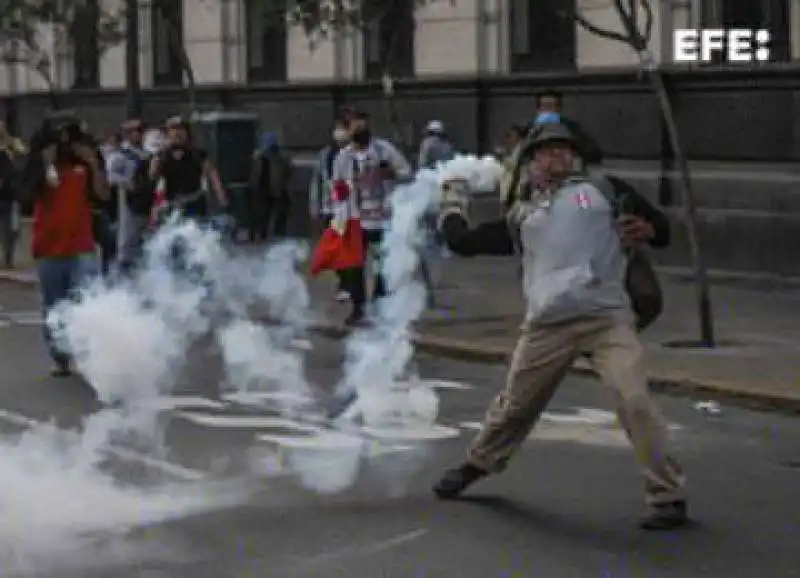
<point x="188" y="172"/>
<point x="7" y="201"/>
<point x="12" y="151"/>
<point x="269" y="189"/>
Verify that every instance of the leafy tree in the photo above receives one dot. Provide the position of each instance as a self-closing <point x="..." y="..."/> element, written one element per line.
<point x="636" y="23"/>
<point x="85" y="25"/>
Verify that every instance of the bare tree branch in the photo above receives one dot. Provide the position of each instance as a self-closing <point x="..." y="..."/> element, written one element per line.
<point x="625" y="17"/>
<point x="648" y="21"/>
<point x="174" y="38"/>
<point x="594" y="29"/>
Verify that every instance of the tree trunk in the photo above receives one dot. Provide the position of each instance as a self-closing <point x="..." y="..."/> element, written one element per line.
<point x="389" y="57"/>
<point x="180" y="50"/>
<point x="132" y="85"/>
<point x="52" y="94"/>
<point x="690" y="211"/>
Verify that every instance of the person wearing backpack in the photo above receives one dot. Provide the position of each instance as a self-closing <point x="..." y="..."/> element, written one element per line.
<point x="269" y="194"/>
<point x="578" y="298"/>
<point x="364" y="174"/>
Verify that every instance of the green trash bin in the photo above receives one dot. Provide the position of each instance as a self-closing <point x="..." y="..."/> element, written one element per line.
<point x="230" y="139"/>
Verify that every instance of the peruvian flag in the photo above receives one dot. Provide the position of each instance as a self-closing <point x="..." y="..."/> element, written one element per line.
<point x="341" y="191"/>
<point x="342" y="244"/>
<point x="159" y="201"/>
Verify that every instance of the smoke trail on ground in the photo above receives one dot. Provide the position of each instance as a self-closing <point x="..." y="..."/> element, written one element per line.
<point x="391" y="402"/>
<point x="377" y="368"/>
<point x="378" y="357"/>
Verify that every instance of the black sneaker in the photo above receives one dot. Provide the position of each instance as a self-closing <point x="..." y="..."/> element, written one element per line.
<point x="355" y="319"/>
<point x="455" y="481"/>
<point x="61" y="369"/>
<point x="665" y="516"/>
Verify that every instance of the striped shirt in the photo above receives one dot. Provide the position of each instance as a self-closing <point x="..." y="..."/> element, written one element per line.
<point x="359" y="173"/>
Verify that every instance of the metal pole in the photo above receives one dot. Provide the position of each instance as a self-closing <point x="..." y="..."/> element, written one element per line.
<point x="133" y="89"/>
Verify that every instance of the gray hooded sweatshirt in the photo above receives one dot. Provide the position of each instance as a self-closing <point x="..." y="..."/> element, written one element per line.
<point x="574" y="264"/>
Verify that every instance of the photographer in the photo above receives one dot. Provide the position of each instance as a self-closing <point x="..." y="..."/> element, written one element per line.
<point x="63" y="177"/>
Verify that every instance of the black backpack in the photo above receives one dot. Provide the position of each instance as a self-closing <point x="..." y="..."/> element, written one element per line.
<point x="641" y="279"/>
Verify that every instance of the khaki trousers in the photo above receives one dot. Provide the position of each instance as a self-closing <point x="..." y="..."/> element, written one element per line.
<point x="541" y="360"/>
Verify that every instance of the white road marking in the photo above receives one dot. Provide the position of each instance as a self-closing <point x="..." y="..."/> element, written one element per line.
<point x="302" y="345"/>
<point x="444" y="384"/>
<point x="579" y="432"/>
<point x="174" y="470"/>
<point x="586" y="426"/>
<point x="264" y="397"/>
<point x="361" y="551"/>
<point x="246" y="422"/>
<point x="323" y="440"/>
<point x="583" y="416"/>
<point x="180" y="402"/>
<point x="436" y="432"/>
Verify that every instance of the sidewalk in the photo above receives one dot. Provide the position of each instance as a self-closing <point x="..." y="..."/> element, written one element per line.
<point x="757" y="361"/>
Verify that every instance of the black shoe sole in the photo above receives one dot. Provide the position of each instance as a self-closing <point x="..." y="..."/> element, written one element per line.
<point x="664" y="525"/>
<point x="671" y="519"/>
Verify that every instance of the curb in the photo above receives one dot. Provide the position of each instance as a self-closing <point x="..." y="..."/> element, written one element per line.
<point x="675" y="385"/>
<point x="19" y="277"/>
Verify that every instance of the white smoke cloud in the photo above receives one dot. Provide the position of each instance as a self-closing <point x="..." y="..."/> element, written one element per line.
<point x="131" y="339"/>
<point x="377" y="368"/>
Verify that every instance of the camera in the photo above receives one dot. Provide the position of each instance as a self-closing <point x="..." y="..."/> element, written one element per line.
<point x="62" y="129"/>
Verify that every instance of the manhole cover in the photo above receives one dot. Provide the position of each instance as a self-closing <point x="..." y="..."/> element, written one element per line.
<point x="698" y="344"/>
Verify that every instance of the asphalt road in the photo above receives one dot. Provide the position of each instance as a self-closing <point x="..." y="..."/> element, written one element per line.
<point x="567" y="507"/>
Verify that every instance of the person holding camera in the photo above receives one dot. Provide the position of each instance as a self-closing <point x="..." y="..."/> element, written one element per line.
<point x="64" y="176"/>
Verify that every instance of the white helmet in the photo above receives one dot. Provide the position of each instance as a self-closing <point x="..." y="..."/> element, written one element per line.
<point x="435" y="126"/>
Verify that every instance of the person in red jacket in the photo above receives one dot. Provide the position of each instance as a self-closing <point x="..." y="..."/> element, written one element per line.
<point x="66" y="173"/>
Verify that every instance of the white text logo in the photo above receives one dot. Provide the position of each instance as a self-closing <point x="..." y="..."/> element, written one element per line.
<point x="736" y="45"/>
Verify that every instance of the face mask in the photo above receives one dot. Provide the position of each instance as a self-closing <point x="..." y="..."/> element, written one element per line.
<point x="362" y="137"/>
<point x="547" y="118"/>
<point x="340" y="136"/>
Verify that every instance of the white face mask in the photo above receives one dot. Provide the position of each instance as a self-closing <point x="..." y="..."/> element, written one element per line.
<point x="340" y="135"/>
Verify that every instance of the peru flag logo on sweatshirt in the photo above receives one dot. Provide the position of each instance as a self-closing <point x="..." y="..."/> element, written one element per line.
<point x="582" y="200"/>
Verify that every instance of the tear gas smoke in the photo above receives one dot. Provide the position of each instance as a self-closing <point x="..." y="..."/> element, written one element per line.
<point x="377" y="367"/>
<point x="131" y="338"/>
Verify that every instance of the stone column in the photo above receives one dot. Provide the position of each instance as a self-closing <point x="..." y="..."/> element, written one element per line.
<point x="446" y="40"/>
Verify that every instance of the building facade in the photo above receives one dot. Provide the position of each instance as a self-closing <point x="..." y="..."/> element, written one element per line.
<point x="232" y="42"/>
